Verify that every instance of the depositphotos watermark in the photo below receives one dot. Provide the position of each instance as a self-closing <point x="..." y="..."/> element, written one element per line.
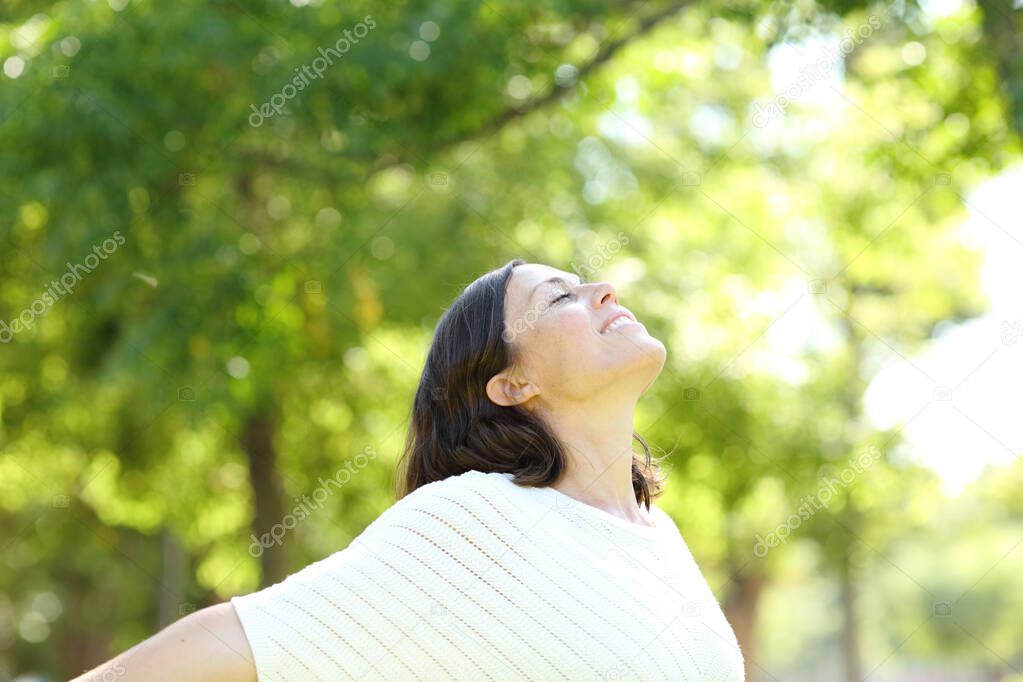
<point x="814" y="503"/>
<point x="58" y="288"/>
<point x="1012" y="331"/>
<point x="302" y="511"/>
<point x="111" y="673"/>
<point x="810" y="75"/>
<point x="311" y="71"/>
<point x="528" y="319"/>
<point x="595" y="261"/>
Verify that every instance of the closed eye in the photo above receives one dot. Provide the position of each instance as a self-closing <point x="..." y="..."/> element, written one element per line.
<point x="568" y="295"/>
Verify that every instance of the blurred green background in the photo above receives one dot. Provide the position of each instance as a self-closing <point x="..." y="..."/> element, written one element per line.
<point x="254" y="269"/>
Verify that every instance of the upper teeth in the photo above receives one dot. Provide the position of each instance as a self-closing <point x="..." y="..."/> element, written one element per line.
<point x="617" y="323"/>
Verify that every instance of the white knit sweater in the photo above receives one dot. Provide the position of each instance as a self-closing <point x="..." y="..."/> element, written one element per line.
<point x="477" y="578"/>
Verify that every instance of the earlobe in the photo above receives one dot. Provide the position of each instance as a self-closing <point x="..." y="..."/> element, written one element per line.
<point x="505" y="391"/>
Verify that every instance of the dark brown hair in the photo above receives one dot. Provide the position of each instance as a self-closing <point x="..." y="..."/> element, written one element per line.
<point x="454" y="427"/>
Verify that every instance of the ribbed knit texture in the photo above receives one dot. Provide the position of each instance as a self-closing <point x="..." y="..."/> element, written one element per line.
<point x="477" y="578"/>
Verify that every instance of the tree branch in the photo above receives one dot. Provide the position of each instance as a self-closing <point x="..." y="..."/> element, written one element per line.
<point x="495" y="125"/>
<point x="559" y="91"/>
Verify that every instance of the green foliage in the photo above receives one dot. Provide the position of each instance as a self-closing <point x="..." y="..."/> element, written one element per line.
<point x="290" y="273"/>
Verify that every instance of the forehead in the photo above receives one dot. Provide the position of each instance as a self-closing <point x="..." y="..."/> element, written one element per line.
<point x="525" y="277"/>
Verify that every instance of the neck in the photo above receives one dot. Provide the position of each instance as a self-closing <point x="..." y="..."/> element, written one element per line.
<point x="597" y="439"/>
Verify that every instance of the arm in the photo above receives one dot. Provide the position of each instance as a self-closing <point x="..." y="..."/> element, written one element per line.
<point x="206" y="646"/>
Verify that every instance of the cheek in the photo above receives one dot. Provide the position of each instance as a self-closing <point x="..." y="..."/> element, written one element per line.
<point x="564" y="341"/>
<point x="572" y="326"/>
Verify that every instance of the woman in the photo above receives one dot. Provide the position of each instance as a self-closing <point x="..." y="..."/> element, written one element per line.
<point x="524" y="544"/>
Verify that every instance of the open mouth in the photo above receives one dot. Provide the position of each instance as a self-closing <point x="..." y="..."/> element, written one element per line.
<point x="620" y="320"/>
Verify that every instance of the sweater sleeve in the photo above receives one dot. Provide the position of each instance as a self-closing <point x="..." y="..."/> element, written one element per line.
<point x="347" y="615"/>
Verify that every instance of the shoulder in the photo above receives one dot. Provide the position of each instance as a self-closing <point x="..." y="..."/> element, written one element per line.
<point x="660" y="514"/>
<point x="435" y="517"/>
<point x="451" y="504"/>
<point x="343" y="610"/>
<point x="663" y="519"/>
<point x="466" y="484"/>
<point x="468" y="487"/>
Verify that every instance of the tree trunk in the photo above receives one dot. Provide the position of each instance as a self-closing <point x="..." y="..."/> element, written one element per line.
<point x="173" y="574"/>
<point x="852" y="399"/>
<point x="257" y="442"/>
<point x="741" y="612"/>
<point x="850" y="623"/>
<point x="1000" y="29"/>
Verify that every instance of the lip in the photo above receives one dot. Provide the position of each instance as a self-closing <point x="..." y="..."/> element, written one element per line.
<point x="623" y="313"/>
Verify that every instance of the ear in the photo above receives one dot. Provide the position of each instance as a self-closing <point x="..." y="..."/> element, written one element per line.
<point x="505" y="390"/>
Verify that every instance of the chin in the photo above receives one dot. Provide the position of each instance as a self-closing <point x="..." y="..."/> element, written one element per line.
<point x="656" y="365"/>
<point x="657" y="355"/>
<point x="647" y="361"/>
<point x="652" y="350"/>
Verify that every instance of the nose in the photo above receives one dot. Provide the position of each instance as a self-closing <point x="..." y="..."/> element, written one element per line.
<point x="604" y="293"/>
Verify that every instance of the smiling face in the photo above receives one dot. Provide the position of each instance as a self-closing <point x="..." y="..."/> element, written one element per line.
<point x="573" y="341"/>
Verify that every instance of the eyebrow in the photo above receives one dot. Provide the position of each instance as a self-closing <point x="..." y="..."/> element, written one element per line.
<point x="562" y="280"/>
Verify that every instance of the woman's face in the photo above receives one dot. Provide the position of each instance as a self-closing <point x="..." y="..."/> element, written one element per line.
<point x="574" y="341"/>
